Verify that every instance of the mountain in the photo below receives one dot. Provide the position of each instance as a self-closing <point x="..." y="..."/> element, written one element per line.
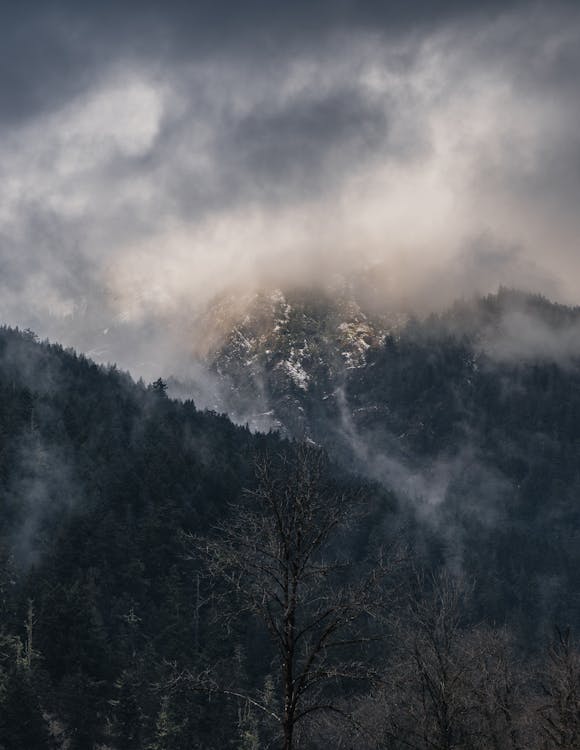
<point x="471" y="416"/>
<point x="322" y="365"/>
<point x="271" y="355"/>
<point x="456" y="435"/>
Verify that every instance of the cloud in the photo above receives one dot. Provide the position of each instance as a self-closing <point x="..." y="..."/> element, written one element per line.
<point x="149" y="160"/>
<point x="527" y="337"/>
<point x="44" y="487"/>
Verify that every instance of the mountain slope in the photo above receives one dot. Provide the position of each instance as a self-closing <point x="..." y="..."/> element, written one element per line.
<point x="101" y="481"/>
<point x="471" y="416"/>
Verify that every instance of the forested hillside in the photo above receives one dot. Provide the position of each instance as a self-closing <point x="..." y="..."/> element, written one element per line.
<point x="99" y="477"/>
<point x="145" y="547"/>
<point x="101" y="603"/>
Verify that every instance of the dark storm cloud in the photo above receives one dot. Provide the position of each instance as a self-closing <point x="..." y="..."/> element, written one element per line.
<point x="52" y="50"/>
<point x="43" y="61"/>
<point x="298" y="146"/>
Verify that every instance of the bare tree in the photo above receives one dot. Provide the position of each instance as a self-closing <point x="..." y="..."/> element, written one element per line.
<point x="440" y="661"/>
<point x="559" y="706"/>
<point x="449" y="684"/>
<point x="422" y="701"/>
<point x="279" y="553"/>
<point x="499" y="691"/>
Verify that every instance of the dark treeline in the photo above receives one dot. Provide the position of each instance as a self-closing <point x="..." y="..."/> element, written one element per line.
<point x="134" y="613"/>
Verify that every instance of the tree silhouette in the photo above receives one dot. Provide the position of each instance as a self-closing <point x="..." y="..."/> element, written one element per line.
<point x="278" y="554"/>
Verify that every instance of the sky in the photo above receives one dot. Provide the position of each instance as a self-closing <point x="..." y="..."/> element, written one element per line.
<point x="154" y="155"/>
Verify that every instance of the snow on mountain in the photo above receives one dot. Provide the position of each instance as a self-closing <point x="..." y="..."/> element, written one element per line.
<point x="272" y="351"/>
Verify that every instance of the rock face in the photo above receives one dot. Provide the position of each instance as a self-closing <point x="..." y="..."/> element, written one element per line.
<point x="277" y="355"/>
